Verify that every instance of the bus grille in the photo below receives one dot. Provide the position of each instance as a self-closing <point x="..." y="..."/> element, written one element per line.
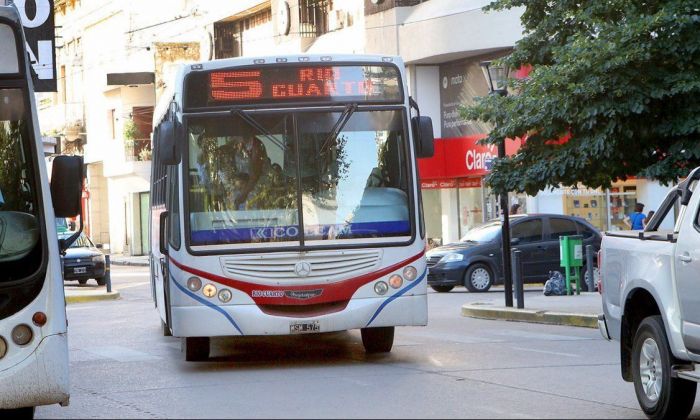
<point x="325" y="265"/>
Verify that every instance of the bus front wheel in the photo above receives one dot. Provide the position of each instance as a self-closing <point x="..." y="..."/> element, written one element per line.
<point x="378" y="340"/>
<point x="196" y="348"/>
<point x="17" y="413"/>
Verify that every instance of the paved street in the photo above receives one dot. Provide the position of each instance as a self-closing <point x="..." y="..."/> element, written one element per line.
<point x="121" y="366"/>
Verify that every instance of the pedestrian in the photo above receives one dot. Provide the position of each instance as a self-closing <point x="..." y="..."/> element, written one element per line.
<point x="648" y="218"/>
<point x="514" y="208"/>
<point x="635" y="221"/>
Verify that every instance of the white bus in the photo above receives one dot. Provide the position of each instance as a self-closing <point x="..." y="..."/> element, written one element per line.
<point x="33" y="343"/>
<point x="285" y="200"/>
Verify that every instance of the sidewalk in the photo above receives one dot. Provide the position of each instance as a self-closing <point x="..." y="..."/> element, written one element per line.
<point x="576" y="310"/>
<point x="120" y="259"/>
<point x="88" y="293"/>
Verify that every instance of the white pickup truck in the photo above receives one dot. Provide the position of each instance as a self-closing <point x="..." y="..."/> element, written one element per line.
<point x="651" y="302"/>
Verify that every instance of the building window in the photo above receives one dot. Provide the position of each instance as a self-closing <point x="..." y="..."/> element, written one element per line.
<point x="229" y="35"/>
<point x="313" y="17"/>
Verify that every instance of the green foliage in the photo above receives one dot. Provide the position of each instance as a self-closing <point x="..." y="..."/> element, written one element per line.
<point x="622" y="77"/>
<point x="131" y="130"/>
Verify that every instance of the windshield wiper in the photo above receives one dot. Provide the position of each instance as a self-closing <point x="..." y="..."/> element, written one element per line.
<point x="339" y="125"/>
<point x="253" y="123"/>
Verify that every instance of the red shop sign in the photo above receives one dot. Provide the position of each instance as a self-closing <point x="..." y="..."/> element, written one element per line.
<point x="461" y="157"/>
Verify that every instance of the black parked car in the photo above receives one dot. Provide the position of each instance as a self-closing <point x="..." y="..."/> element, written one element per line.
<point x="83" y="260"/>
<point x="476" y="262"/>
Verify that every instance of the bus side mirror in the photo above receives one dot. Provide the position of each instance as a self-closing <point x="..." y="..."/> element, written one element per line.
<point x="67" y="185"/>
<point x="423" y="135"/>
<point x="167" y="135"/>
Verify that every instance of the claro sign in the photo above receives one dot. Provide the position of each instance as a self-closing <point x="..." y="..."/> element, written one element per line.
<point x="461" y="157"/>
<point x="38" y="21"/>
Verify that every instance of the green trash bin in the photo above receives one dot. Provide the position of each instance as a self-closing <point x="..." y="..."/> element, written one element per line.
<point x="571" y="259"/>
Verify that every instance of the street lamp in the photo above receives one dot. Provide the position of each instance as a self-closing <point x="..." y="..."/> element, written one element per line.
<point x="497" y="79"/>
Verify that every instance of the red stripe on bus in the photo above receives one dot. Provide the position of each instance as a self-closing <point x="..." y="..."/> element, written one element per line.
<point x="333" y="292"/>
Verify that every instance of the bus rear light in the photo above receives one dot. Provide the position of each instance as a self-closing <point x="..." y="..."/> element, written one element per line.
<point x="225" y="295"/>
<point x="381" y="288"/>
<point x="395" y="281"/>
<point x="3" y="347"/>
<point x="209" y="290"/>
<point x="410" y="273"/>
<point x="39" y="319"/>
<point x="22" y="335"/>
<point x="194" y="284"/>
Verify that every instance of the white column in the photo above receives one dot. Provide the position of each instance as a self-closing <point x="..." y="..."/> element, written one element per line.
<point x="450" y="215"/>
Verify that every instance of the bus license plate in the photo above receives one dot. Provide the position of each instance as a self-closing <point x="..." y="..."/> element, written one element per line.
<point x="79" y="270"/>
<point x="304" y="327"/>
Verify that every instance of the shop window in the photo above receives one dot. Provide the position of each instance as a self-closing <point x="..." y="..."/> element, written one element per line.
<point x="528" y="231"/>
<point x="561" y="227"/>
<point x="432" y="209"/>
<point x="313" y="17"/>
<point x="471" y="204"/>
<point x="587" y="204"/>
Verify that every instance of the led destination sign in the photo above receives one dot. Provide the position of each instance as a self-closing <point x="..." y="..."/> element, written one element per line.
<point x="297" y="84"/>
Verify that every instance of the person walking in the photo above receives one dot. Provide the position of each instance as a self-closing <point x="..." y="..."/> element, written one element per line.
<point x="648" y="218"/>
<point x="635" y="221"/>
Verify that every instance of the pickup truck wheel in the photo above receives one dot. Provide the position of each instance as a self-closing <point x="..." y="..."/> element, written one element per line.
<point x="659" y="394"/>
<point x="17" y="413"/>
<point x="478" y="278"/>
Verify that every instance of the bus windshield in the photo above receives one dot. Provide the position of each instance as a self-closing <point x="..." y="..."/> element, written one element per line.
<point x="20" y="253"/>
<point x="290" y="177"/>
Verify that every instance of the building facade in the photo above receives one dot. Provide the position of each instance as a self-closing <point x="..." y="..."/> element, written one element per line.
<point x="116" y="59"/>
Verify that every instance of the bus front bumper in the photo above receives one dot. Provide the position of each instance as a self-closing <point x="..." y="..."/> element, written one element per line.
<point x="228" y="320"/>
<point x="40" y="379"/>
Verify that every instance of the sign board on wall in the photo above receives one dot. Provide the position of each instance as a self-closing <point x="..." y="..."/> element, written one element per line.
<point x="38" y="21"/>
<point x="460" y="83"/>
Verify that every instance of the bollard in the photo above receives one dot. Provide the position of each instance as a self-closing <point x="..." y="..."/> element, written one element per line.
<point x="518" y="278"/>
<point x="590" y="268"/>
<point x="108" y="273"/>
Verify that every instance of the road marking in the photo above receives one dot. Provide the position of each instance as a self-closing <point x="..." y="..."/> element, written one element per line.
<point x="553" y="353"/>
<point x="537" y="336"/>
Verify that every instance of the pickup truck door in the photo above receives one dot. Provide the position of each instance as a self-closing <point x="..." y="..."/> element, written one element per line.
<point x="687" y="275"/>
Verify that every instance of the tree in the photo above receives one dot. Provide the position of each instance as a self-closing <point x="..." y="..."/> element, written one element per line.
<point x="619" y="78"/>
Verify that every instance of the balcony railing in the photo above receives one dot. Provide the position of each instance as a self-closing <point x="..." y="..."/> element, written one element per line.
<point x="371" y="8"/>
<point x="137" y="150"/>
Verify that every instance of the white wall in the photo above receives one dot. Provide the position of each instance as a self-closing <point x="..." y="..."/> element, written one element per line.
<point x="424" y="87"/>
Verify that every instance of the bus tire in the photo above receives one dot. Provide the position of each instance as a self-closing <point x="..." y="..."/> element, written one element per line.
<point x="17" y="413"/>
<point x="378" y="340"/>
<point x="196" y="348"/>
<point x="166" y="330"/>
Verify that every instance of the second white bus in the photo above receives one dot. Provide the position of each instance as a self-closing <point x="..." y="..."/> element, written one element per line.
<point x="285" y="200"/>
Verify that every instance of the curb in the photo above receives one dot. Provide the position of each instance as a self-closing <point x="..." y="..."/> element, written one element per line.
<point x="530" y="315"/>
<point x="91" y="297"/>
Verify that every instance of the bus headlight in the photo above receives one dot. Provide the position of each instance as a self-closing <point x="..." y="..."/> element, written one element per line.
<point x="381" y="288"/>
<point x="3" y="347"/>
<point x="22" y="334"/>
<point x="395" y="281"/>
<point x="194" y="284"/>
<point x="410" y="273"/>
<point x="209" y="290"/>
<point x="225" y="295"/>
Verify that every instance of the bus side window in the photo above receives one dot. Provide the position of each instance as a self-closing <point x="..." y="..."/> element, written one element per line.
<point x="173" y="206"/>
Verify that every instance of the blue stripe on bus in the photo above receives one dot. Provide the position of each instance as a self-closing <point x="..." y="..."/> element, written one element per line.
<point x="396" y="295"/>
<point x="207" y="303"/>
<point x="277" y="233"/>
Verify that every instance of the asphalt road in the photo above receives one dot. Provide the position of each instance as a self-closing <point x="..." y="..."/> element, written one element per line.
<point x="122" y="367"/>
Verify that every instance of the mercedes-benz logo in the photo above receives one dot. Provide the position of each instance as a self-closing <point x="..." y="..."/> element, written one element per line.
<point x="302" y="269"/>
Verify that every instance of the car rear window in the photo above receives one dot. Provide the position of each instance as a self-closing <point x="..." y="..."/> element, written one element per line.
<point x="561" y="227"/>
<point x="585" y="231"/>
